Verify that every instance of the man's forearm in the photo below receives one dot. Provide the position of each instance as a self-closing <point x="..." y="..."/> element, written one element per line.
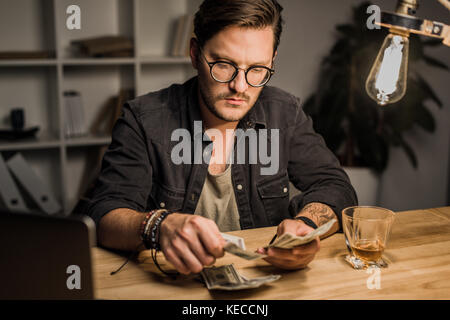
<point x="320" y="213"/>
<point x="120" y="229"/>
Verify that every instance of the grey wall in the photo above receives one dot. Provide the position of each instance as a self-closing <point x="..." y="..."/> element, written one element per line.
<point x="309" y="34"/>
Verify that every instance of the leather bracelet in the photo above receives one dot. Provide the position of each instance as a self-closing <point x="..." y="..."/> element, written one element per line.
<point x="147" y="226"/>
<point x="155" y="232"/>
<point x="307" y="221"/>
<point x="150" y="226"/>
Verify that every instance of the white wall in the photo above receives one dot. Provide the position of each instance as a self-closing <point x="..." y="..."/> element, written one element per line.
<point x="308" y="36"/>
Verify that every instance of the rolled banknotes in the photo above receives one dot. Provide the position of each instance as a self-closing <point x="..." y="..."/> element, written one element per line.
<point x="234" y="239"/>
<point x="244" y="254"/>
<point x="289" y="241"/>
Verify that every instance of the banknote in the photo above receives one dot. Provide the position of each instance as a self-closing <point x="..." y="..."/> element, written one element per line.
<point x="228" y="278"/>
<point x="234" y="239"/>
<point x="221" y="276"/>
<point x="289" y="240"/>
<point x="238" y="251"/>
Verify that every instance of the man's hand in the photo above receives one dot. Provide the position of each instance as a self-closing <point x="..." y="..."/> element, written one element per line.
<point x="190" y="242"/>
<point x="295" y="258"/>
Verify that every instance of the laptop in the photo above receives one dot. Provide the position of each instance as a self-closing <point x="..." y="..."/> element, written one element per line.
<point x="45" y="257"/>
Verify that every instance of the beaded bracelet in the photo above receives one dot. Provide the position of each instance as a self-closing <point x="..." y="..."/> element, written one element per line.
<point x="154" y="234"/>
<point x="150" y="224"/>
<point x="146" y="226"/>
<point x="150" y="234"/>
<point x="145" y="223"/>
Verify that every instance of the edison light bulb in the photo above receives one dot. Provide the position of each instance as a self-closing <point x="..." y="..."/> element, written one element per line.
<point x="387" y="79"/>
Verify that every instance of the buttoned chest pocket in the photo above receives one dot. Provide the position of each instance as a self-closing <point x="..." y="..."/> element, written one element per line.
<point x="166" y="198"/>
<point x="274" y="194"/>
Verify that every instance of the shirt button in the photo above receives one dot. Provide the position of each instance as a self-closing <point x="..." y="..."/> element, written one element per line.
<point x="162" y="205"/>
<point x="239" y="187"/>
<point x="285" y="190"/>
<point x="249" y="124"/>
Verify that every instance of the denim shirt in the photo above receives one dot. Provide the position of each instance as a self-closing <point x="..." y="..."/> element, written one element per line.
<point x="138" y="172"/>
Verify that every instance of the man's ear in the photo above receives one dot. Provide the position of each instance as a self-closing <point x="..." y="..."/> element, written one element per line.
<point x="275" y="56"/>
<point x="193" y="52"/>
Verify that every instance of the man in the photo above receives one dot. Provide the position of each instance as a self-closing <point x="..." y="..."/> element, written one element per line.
<point x="234" y="51"/>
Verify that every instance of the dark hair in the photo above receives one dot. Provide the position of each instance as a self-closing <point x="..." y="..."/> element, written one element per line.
<point x="214" y="16"/>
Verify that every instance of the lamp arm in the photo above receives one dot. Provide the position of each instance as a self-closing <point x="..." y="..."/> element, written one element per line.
<point x="411" y="24"/>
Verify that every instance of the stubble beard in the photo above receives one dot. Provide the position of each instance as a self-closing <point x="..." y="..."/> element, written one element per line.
<point x="210" y="103"/>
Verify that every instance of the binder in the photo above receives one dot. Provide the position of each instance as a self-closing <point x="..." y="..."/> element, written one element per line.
<point x="9" y="192"/>
<point x="33" y="184"/>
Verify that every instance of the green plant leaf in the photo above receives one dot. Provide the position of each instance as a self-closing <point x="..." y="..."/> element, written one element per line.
<point x="425" y="119"/>
<point x="409" y="152"/>
<point x="432" y="43"/>
<point x="347" y="30"/>
<point x="434" y="62"/>
<point x="340" y="50"/>
<point x="374" y="150"/>
<point x="428" y="90"/>
<point x="415" y="48"/>
<point x="309" y="105"/>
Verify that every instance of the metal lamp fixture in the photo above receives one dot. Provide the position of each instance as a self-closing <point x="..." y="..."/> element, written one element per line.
<point x="387" y="80"/>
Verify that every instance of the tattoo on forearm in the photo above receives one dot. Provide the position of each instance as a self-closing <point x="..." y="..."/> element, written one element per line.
<point x="319" y="212"/>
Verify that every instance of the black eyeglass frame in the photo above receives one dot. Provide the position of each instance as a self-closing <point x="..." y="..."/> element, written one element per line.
<point x="212" y="64"/>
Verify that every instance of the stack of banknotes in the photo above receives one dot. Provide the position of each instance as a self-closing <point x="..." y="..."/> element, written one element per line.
<point x="228" y="278"/>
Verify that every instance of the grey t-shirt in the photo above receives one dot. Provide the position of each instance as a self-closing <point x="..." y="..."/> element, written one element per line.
<point x="218" y="203"/>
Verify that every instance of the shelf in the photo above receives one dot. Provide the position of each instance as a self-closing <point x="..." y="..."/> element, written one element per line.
<point x="89" y="140"/>
<point x="52" y="143"/>
<point x="164" y="60"/>
<point x="28" y="62"/>
<point x="97" y="61"/>
<point x="41" y="142"/>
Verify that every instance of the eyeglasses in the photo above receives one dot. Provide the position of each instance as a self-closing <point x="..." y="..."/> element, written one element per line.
<point x="225" y="72"/>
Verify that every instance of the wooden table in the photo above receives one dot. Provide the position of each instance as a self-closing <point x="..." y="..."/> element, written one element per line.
<point x="418" y="252"/>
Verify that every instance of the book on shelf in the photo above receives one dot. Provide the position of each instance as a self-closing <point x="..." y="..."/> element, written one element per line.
<point x="34" y="186"/>
<point x="124" y="96"/>
<point x="105" y="46"/>
<point x="110" y="112"/>
<point x="75" y="125"/>
<point x="184" y="31"/>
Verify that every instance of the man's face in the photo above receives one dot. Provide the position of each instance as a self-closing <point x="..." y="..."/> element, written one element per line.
<point x="244" y="47"/>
